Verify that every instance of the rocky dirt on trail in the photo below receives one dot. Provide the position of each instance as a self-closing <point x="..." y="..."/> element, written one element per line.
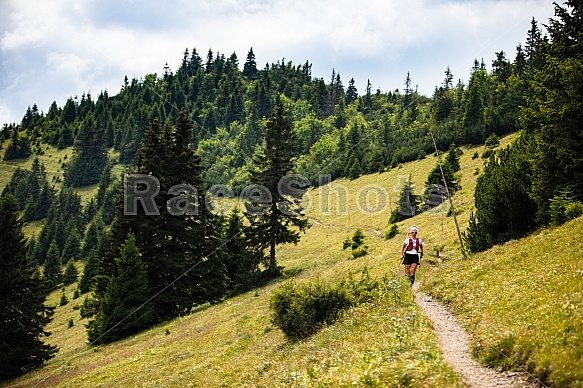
<point x="453" y="342"/>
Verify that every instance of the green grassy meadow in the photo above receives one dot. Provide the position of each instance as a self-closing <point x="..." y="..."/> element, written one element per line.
<point x="523" y="303"/>
<point x="385" y="343"/>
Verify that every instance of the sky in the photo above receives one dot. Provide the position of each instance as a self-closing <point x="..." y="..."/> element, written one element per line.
<point x="51" y="50"/>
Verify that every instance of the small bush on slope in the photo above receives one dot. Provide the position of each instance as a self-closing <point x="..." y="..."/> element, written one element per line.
<point x="300" y="310"/>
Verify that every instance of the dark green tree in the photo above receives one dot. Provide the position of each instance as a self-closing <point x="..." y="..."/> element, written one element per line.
<point x="504" y="207"/>
<point x="280" y="221"/>
<point x="179" y="240"/>
<point x="407" y="203"/>
<point x="90" y="154"/>
<point x="241" y="265"/>
<point x="351" y="92"/>
<point x="553" y="117"/>
<point x="453" y="157"/>
<point x="71" y="273"/>
<point x="92" y="235"/>
<point x="23" y="315"/>
<point x="125" y="309"/>
<point x="91" y="267"/>
<point x="52" y="271"/>
<point x="435" y="177"/>
<point x="72" y="248"/>
<point x="250" y="66"/>
<point x="19" y="147"/>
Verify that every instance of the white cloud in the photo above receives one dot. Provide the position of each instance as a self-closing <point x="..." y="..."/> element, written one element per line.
<point x="53" y="50"/>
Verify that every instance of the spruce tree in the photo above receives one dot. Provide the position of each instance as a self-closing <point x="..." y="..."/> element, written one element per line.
<point x="72" y="249"/>
<point x="280" y="221"/>
<point x="125" y="309"/>
<point x="52" y="271"/>
<point x="180" y="247"/>
<point x="90" y="155"/>
<point x="553" y="117"/>
<point x="71" y="273"/>
<point x="242" y="266"/>
<point x="351" y="92"/>
<point x="407" y="203"/>
<point x="23" y="315"/>
<point x="250" y="66"/>
<point x="504" y="207"/>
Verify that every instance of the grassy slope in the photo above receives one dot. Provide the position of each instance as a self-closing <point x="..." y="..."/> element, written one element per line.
<point x="386" y="343"/>
<point x="523" y="303"/>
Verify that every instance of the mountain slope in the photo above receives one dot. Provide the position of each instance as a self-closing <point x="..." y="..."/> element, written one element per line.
<point x="388" y="342"/>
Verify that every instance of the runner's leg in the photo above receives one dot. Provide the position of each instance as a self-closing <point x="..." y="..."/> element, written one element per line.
<point x="412" y="273"/>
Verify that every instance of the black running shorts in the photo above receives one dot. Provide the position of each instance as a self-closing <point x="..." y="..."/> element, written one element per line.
<point x="411" y="258"/>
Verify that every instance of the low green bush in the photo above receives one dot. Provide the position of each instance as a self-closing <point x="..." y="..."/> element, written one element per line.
<point x="563" y="207"/>
<point x="392" y="232"/>
<point x="300" y="310"/>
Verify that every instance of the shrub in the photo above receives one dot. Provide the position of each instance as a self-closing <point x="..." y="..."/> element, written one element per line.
<point x="357" y="238"/>
<point x="563" y="207"/>
<point x="300" y="310"/>
<point x="356" y="243"/>
<point x="392" y="232"/>
<point x="487" y="153"/>
<point x="492" y="141"/>
<point x="573" y="210"/>
<point x="359" y="252"/>
<point x="475" y="155"/>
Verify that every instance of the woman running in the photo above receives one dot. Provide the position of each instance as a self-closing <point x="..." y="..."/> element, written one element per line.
<point x="411" y="251"/>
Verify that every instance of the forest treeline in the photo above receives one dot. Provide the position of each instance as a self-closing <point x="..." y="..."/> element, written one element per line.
<point x="214" y="121"/>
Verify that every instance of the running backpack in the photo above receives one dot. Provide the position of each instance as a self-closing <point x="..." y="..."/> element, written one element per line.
<point x="410" y="246"/>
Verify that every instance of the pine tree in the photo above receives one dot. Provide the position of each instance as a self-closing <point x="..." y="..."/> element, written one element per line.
<point x="23" y="315"/>
<point x="18" y="148"/>
<point x="72" y="249"/>
<point x="553" y="117"/>
<point x="407" y="203"/>
<point x="180" y="247"/>
<point x="91" y="268"/>
<point x="453" y="157"/>
<point x="90" y="156"/>
<point x="125" y="309"/>
<point x="92" y="235"/>
<point x="280" y="221"/>
<point x="504" y="207"/>
<point x="71" y="273"/>
<point x="351" y="92"/>
<point x="250" y="66"/>
<point x="52" y="272"/>
<point x="241" y="265"/>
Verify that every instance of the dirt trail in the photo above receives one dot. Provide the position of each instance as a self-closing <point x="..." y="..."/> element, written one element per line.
<point x="453" y="342"/>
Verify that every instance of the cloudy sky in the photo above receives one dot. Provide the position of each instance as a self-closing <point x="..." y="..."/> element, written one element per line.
<point x="54" y="49"/>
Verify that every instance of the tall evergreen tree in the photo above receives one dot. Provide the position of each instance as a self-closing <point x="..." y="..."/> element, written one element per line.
<point x="124" y="309"/>
<point x="351" y="92"/>
<point x="407" y="203"/>
<point x="250" y="66"/>
<point x="553" y="117"/>
<point x="90" y="156"/>
<point x="180" y="245"/>
<point x="504" y="207"/>
<point x="280" y="221"/>
<point x="242" y="266"/>
<point x="52" y="271"/>
<point x="23" y="315"/>
<point x="71" y="274"/>
<point x="19" y="146"/>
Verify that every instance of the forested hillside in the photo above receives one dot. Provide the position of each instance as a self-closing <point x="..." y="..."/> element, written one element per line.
<point x="214" y="121"/>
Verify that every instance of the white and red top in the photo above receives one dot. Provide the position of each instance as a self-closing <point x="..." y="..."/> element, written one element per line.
<point x="413" y="245"/>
